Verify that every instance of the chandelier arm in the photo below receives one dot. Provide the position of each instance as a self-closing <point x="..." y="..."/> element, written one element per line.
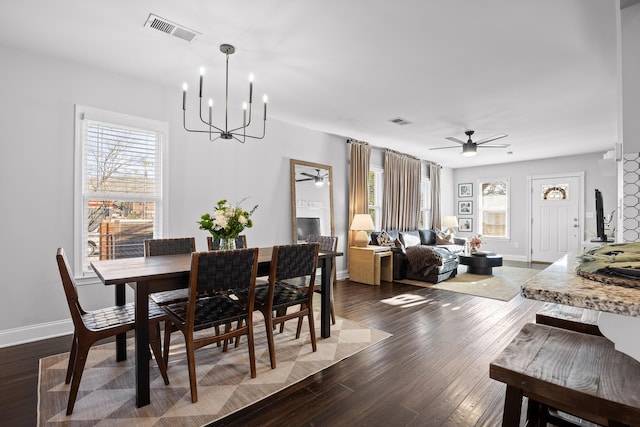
<point x="238" y="139"/>
<point x="264" y="128"/>
<point x="184" y="124"/>
<point x="211" y="125"/>
<point x="243" y="127"/>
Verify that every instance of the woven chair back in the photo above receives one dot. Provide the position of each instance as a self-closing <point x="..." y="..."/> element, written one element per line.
<point x="171" y="246"/>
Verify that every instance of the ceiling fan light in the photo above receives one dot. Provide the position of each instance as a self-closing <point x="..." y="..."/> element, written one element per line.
<point x="469" y="150"/>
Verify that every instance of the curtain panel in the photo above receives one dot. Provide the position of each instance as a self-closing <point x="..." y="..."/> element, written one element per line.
<point x="401" y="192"/>
<point x="434" y="177"/>
<point x="359" y="159"/>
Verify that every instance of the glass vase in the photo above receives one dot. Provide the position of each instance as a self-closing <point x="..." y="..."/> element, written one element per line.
<point x="227" y="244"/>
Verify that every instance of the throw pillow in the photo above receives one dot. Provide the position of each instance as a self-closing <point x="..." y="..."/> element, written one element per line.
<point x="385" y="240"/>
<point x="410" y="240"/>
<point x="443" y="237"/>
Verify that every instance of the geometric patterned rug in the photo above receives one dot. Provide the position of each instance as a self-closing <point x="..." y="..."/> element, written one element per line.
<point x="107" y="395"/>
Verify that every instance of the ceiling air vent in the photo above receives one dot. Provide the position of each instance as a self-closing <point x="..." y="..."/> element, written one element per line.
<point x="400" y="121"/>
<point x="169" y="27"/>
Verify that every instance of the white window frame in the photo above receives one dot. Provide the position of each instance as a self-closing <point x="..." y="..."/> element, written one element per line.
<point x="378" y="173"/>
<point x="479" y="208"/>
<point x="425" y="207"/>
<point x="126" y="120"/>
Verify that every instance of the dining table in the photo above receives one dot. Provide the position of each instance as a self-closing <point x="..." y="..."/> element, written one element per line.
<point x="147" y="275"/>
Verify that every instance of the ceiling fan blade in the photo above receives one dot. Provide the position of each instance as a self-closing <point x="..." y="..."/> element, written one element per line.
<point x="492" y="138"/>
<point x="442" y="148"/>
<point x="304" y="179"/>
<point x="495" y="146"/>
<point x="450" y="138"/>
<point x="307" y="174"/>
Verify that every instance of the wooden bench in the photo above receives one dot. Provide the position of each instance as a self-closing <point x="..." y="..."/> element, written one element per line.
<point x="582" y="375"/>
<point x="571" y="318"/>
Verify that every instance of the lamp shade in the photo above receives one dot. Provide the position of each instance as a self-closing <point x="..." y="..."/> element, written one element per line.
<point x="362" y="223"/>
<point x="450" y="221"/>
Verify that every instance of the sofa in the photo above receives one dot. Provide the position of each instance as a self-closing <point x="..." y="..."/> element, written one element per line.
<point x="422" y="254"/>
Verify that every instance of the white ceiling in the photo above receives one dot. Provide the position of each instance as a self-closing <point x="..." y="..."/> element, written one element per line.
<point x="542" y="71"/>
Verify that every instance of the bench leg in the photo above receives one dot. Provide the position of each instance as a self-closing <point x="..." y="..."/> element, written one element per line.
<point x="512" y="407"/>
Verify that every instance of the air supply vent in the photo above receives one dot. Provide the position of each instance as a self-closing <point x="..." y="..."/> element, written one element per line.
<point x="400" y="121"/>
<point x="168" y="27"/>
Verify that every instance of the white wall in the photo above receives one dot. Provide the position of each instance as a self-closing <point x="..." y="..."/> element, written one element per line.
<point x="630" y="23"/>
<point x="517" y="174"/>
<point x="36" y="179"/>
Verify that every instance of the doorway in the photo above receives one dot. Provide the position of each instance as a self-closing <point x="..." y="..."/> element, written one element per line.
<point x="556" y="210"/>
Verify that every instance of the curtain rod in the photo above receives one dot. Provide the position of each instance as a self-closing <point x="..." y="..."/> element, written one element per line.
<point x="349" y="140"/>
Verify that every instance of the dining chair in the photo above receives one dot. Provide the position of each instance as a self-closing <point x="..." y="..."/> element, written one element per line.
<point x="214" y="280"/>
<point x="327" y="243"/>
<point x="288" y="262"/>
<point x="169" y="246"/>
<point x="92" y="326"/>
<point x="214" y="245"/>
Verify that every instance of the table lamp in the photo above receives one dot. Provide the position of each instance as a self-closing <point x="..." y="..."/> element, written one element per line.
<point x="450" y="222"/>
<point x="362" y="223"/>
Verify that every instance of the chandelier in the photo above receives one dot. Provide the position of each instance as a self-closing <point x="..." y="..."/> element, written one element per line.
<point x="215" y="132"/>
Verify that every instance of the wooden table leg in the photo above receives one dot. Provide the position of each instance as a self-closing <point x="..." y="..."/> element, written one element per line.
<point x="512" y="407"/>
<point x="325" y="297"/>
<point x="142" y="344"/>
<point x="121" y="339"/>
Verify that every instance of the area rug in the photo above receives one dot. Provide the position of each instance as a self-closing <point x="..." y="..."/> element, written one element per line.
<point x="107" y="394"/>
<point x="503" y="285"/>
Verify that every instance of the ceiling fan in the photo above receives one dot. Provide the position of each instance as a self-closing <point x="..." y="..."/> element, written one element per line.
<point x="470" y="148"/>
<point x="318" y="179"/>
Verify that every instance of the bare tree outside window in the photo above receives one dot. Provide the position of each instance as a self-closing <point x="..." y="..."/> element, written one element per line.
<point x="120" y="183"/>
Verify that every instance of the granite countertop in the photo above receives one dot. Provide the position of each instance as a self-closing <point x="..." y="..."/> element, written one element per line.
<point x="560" y="284"/>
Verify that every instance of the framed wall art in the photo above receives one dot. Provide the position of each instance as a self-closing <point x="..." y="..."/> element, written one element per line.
<point x="465" y="224"/>
<point x="465" y="190"/>
<point x="465" y="207"/>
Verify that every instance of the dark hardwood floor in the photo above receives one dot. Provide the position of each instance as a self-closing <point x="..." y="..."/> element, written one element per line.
<point x="433" y="371"/>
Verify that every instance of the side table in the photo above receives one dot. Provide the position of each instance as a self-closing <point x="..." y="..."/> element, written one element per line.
<point x="370" y="264"/>
<point x="480" y="264"/>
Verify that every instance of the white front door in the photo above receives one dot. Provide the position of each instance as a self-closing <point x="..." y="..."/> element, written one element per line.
<point x="556" y="224"/>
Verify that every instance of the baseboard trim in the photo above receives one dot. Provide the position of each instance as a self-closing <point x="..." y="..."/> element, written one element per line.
<point x="25" y="334"/>
<point x="521" y="258"/>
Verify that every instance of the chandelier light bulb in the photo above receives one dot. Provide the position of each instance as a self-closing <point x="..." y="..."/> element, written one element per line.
<point x="251" y="77"/>
<point x="210" y="102"/>
<point x="184" y="96"/>
<point x="265" y="99"/>
<point x="202" y="71"/>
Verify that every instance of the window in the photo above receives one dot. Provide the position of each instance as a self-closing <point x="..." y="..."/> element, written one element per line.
<point x="425" y="203"/>
<point x="119" y="184"/>
<point x="493" y="208"/>
<point x="375" y="195"/>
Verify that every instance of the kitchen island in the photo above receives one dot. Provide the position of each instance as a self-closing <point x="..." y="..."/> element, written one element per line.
<point x="619" y="319"/>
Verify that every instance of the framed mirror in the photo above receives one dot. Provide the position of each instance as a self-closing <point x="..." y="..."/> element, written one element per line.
<point x="311" y="200"/>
